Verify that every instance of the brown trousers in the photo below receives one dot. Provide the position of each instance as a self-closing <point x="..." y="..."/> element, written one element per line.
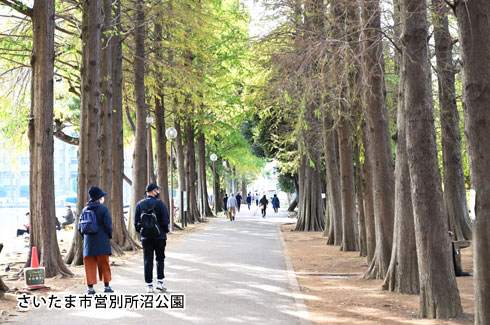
<point x="91" y="264"/>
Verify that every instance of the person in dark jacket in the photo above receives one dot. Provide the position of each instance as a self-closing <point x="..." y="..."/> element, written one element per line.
<point x="249" y="200"/>
<point x="68" y="217"/>
<point x="238" y="198"/>
<point x="225" y="205"/>
<point x="97" y="247"/>
<point x="263" y="203"/>
<point x="154" y="245"/>
<point x="275" y="203"/>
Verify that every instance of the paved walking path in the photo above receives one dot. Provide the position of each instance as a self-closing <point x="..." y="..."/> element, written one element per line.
<point x="230" y="272"/>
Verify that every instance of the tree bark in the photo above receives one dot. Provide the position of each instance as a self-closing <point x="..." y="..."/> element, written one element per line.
<point x="41" y="190"/>
<point x="439" y="296"/>
<point x="105" y="128"/>
<point x="402" y="276"/>
<point x="179" y="149"/>
<point x="90" y="107"/>
<point x="360" y="200"/>
<point x="193" y="214"/>
<point x="367" y="178"/>
<point x="379" y="139"/>
<point x="333" y="182"/>
<point x="454" y="184"/>
<point x="140" y="168"/>
<point x="350" y="237"/>
<point x="120" y="234"/>
<point x="474" y="36"/>
<point x="3" y="288"/>
<point x="202" y="183"/>
<point x="161" y="138"/>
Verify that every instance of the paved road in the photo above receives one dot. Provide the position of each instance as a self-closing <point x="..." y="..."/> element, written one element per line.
<point x="231" y="272"/>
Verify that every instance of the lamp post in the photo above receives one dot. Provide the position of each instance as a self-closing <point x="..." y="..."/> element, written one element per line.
<point x="215" y="196"/>
<point x="149" y="120"/>
<point x="171" y="134"/>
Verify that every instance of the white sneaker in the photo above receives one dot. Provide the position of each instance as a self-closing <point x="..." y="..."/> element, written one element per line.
<point x="161" y="286"/>
<point x="149" y="288"/>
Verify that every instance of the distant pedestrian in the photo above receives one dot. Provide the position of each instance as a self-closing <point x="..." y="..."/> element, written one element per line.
<point x="257" y="199"/>
<point x="20" y="232"/>
<point x="275" y="203"/>
<point x="151" y="220"/>
<point x="68" y="217"/>
<point x="231" y="205"/>
<point x="225" y="207"/>
<point x="263" y="205"/>
<point x="238" y="198"/>
<point x="249" y="200"/>
<point x="96" y="227"/>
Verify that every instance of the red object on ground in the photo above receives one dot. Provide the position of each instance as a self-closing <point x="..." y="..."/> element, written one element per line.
<point x="34" y="259"/>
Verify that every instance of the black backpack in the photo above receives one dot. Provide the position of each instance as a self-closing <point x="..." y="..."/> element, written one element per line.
<point x="149" y="223"/>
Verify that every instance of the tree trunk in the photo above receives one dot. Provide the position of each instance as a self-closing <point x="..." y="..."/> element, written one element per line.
<point x="179" y="148"/>
<point x="193" y="214"/>
<point x="454" y="184"/>
<point x="120" y="234"/>
<point x="293" y="204"/>
<point x="140" y="168"/>
<point x="90" y="107"/>
<point x="350" y="237"/>
<point x="367" y="178"/>
<point x="402" y="276"/>
<point x="218" y="197"/>
<point x="161" y="138"/>
<point x="474" y="36"/>
<point x="333" y="182"/>
<point x="41" y="190"/>
<point x="379" y="139"/>
<point x="244" y="189"/>
<point x="202" y="183"/>
<point x="360" y="200"/>
<point x="3" y="288"/>
<point x="105" y="128"/>
<point x="439" y="296"/>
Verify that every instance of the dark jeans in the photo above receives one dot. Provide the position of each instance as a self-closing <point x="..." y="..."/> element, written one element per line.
<point x="263" y="211"/>
<point x="156" y="245"/>
<point x="20" y="232"/>
<point x="248" y="205"/>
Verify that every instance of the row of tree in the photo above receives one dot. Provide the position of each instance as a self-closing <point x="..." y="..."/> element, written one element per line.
<point x="181" y="63"/>
<point x="351" y="85"/>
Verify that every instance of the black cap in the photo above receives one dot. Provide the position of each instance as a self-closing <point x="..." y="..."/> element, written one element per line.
<point x="152" y="186"/>
<point x="95" y="193"/>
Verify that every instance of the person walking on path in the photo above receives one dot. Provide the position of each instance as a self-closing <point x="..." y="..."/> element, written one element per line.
<point x="263" y="204"/>
<point x="275" y="203"/>
<point x="238" y="198"/>
<point x="257" y="199"/>
<point x="249" y="200"/>
<point x="225" y="207"/>
<point x="232" y="203"/>
<point x="68" y="217"/>
<point x="96" y="245"/>
<point x="151" y="220"/>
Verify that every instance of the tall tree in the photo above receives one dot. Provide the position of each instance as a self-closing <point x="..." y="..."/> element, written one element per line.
<point x="193" y="213"/>
<point x="202" y="184"/>
<point x="439" y="296"/>
<point x="454" y="184"/>
<point x="41" y="146"/>
<point x="90" y="107"/>
<point x="402" y="276"/>
<point x="474" y="36"/>
<point x="379" y="138"/>
<point x="161" y="138"/>
<point x="120" y="234"/>
<point x="105" y="128"/>
<point x="140" y="138"/>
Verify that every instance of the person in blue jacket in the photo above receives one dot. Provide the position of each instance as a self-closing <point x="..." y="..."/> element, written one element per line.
<point x="156" y="244"/>
<point x="97" y="247"/>
<point x="275" y="203"/>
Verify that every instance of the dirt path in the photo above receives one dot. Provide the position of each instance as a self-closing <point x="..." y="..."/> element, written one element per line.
<point x="335" y="292"/>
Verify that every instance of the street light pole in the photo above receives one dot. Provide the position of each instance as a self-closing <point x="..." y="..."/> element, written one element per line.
<point x="215" y="196"/>
<point x="171" y="134"/>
